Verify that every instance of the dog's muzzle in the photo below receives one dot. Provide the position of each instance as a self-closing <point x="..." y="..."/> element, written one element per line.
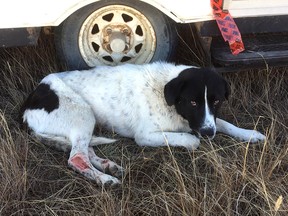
<point x="207" y="132"/>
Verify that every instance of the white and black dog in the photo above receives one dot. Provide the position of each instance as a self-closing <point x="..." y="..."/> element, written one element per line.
<point x="157" y="104"/>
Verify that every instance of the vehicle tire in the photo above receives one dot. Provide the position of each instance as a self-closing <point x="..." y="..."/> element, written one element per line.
<point x="113" y="32"/>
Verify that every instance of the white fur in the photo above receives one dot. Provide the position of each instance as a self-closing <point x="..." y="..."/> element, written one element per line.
<point x="126" y="99"/>
<point x="209" y="119"/>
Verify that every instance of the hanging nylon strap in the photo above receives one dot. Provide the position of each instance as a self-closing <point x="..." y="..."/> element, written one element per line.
<point x="228" y="27"/>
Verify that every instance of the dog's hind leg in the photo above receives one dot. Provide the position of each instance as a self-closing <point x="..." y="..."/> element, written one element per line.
<point x="238" y="133"/>
<point x="80" y="162"/>
<point x="81" y="122"/>
<point x="84" y="160"/>
<point x="105" y="165"/>
<point x="79" y="138"/>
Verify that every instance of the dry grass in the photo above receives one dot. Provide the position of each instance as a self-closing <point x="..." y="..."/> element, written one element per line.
<point x="223" y="177"/>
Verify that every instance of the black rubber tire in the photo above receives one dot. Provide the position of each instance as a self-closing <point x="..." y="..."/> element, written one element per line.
<point x="66" y="34"/>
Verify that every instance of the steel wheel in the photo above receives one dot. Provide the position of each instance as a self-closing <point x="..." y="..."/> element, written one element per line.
<point x="116" y="34"/>
<point x="113" y="32"/>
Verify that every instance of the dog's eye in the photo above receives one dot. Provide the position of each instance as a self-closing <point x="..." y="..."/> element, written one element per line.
<point x="193" y="103"/>
<point x="216" y="102"/>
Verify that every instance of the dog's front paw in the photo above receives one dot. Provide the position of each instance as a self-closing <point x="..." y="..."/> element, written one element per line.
<point x="252" y="136"/>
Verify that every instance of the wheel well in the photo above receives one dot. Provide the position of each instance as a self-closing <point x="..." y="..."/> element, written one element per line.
<point x="85" y="3"/>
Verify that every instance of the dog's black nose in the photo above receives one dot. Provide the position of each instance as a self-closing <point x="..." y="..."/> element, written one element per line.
<point x="207" y="132"/>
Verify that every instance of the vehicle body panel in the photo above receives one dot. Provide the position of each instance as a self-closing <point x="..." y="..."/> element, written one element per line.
<point x="38" y="13"/>
<point x="248" y="8"/>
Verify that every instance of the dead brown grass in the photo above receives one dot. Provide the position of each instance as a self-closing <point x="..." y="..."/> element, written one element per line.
<point x="223" y="177"/>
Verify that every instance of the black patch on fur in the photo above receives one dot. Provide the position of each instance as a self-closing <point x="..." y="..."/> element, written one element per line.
<point x="43" y="97"/>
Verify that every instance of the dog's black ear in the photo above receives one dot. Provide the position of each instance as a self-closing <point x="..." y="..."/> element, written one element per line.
<point x="172" y="90"/>
<point x="227" y="89"/>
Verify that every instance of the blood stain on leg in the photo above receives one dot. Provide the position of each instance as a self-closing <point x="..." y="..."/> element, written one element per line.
<point x="78" y="162"/>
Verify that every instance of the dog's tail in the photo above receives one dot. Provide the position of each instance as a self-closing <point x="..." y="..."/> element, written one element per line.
<point x="100" y="140"/>
<point x="61" y="139"/>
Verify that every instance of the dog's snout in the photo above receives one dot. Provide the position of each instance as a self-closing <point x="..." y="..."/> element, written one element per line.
<point x="207" y="132"/>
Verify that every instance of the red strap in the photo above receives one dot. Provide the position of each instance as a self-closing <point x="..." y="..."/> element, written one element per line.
<point x="228" y="27"/>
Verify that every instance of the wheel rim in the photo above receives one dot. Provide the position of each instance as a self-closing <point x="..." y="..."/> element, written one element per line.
<point x="116" y="34"/>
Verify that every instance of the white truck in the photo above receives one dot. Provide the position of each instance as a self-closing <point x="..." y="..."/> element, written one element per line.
<point x="96" y="32"/>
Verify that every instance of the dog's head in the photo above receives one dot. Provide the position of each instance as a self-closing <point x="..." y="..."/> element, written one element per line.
<point x="197" y="94"/>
